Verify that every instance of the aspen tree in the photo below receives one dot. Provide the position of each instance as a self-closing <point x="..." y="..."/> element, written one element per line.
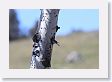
<point x="44" y="38"/>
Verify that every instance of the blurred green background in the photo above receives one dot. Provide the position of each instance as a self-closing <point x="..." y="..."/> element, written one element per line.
<point x="78" y="49"/>
<point x="85" y="43"/>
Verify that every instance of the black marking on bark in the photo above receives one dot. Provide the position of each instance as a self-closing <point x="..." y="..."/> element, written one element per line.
<point x="46" y="13"/>
<point x="43" y="18"/>
<point x="41" y="40"/>
<point x="36" y="53"/>
<point x="35" y="46"/>
<point x="36" y="37"/>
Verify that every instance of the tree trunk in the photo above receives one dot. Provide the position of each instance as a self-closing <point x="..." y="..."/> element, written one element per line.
<point x="44" y="39"/>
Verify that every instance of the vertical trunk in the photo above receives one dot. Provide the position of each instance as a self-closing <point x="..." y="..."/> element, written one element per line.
<point x="44" y="39"/>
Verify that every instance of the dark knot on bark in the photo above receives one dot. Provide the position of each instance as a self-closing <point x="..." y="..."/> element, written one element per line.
<point x="36" y="37"/>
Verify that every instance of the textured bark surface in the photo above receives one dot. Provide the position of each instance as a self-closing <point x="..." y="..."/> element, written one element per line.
<point x="44" y="39"/>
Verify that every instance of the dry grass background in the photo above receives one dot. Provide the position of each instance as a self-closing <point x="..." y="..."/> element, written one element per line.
<point x="85" y="43"/>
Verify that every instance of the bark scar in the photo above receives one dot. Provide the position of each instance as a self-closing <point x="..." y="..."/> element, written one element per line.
<point x="36" y="37"/>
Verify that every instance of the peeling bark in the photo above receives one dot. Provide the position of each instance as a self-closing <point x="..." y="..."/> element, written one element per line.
<point x="44" y="39"/>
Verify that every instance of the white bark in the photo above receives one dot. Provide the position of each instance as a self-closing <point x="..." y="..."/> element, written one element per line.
<point x="44" y="39"/>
